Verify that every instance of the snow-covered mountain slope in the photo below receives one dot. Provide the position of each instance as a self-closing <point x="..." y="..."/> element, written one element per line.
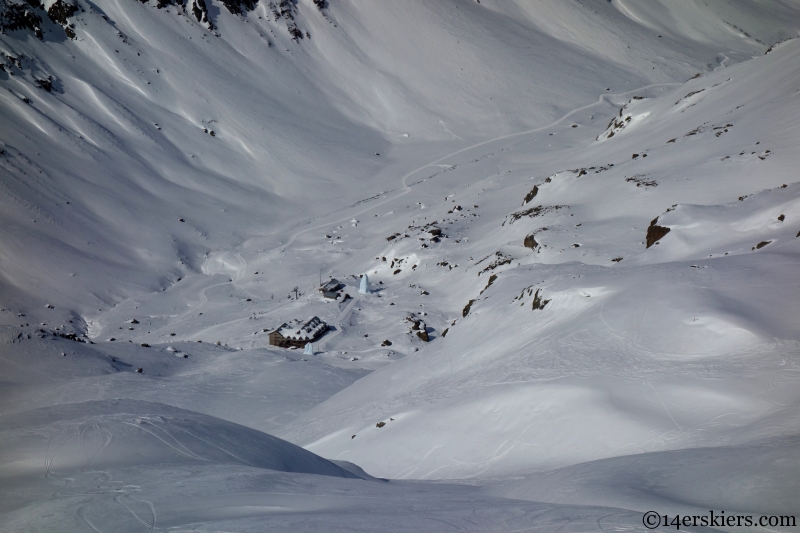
<point x="579" y="221"/>
<point x="594" y="344"/>
<point x="95" y="435"/>
<point x="257" y="388"/>
<point x="134" y="98"/>
<point x="704" y="477"/>
<point x="128" y="466"/>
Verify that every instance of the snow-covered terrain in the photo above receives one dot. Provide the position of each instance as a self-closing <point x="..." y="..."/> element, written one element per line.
<point x="580" y="222"/>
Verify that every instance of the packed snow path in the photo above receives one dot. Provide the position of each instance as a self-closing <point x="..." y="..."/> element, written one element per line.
<point x="334" y="217"/>
<point x="575" y="324"/>
<point x="233" y="262"/>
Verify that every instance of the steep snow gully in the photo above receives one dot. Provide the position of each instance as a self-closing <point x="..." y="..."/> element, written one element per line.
<point x="580" y="222"/>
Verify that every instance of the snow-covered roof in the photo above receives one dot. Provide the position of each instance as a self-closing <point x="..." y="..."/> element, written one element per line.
<point x="308" y="330"/>
<point x="331" y="285"/>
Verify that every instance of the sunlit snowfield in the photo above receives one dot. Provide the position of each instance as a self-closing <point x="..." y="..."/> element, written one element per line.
<point x="592" y="209"/>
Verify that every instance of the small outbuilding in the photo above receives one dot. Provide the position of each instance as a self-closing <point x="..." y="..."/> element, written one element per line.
<point x="298" y="334"/>
<point x="331" y="289"/>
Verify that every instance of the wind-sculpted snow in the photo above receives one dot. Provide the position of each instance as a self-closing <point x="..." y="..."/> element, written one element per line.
<point x="708" y="477"/>
<point x="118" y="433"/>
<point x="638" y="349"/>
<point x="579" y="223"/>
<point x="260" y="389"/>
<point x="161" y="120"/>
<point x="241" y="498"/>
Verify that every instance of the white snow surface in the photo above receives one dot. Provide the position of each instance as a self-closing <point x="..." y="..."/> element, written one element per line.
<point x="533" y="365"/>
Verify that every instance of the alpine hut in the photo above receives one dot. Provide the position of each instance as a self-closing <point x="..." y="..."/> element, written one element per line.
<point x="298" y="334"/>
<point x="331" y="288"/>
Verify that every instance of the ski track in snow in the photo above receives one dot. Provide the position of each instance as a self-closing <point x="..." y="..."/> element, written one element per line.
<point x="201" y="296"/>
<point x="404" y="179"/>
<point x="81" y="512"/>
<point x="183" y="451"/>
<point x="152" y="524"/>
<point x="591" y="405"/>
<point x="106" y="440"/>
<point x="335" y="218"/>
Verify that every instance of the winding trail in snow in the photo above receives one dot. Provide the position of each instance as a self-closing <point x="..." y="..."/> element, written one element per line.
<point x="336" y="217"/>
<point x="81" y="512"/>
<point x="404" y="180"/>
<point x="203" y="299"/>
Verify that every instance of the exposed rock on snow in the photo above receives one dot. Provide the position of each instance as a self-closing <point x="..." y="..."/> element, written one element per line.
<point x="655" y="233"/>
<point x="565" y="360"/>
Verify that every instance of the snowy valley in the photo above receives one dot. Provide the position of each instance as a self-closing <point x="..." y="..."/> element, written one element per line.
<point x="580" y="222"/>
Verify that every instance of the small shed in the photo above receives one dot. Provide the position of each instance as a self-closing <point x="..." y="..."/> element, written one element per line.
<point x="298" y="334"/>
<point x="331" y="289"/>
